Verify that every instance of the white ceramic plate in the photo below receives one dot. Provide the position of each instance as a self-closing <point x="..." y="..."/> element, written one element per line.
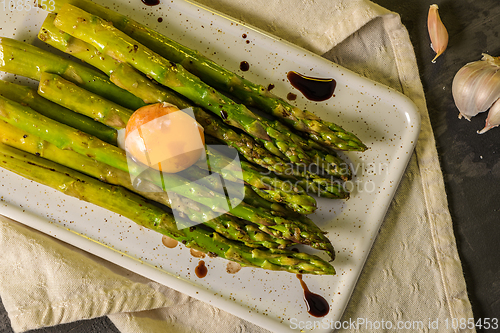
<point x="384" y="119"/>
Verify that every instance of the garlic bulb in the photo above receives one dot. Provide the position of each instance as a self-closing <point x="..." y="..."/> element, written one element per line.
<point x="437" y="32"/>
<point x="476" y="86"/>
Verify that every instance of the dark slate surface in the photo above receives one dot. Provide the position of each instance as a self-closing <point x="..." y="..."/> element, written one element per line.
<point x="470" y="162"/>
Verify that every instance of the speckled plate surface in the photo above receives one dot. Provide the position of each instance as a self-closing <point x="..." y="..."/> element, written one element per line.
<point x="384" y="119"/>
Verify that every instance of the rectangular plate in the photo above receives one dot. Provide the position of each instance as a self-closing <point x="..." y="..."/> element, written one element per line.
<point x="385" y="120"/>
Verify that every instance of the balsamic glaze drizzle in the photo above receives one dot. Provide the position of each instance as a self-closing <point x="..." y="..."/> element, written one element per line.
<point x="314" y="89"/>
<point x="317" y="305"/>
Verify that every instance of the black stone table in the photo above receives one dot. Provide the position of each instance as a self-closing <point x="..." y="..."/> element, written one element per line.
<point x="470" y="162"/>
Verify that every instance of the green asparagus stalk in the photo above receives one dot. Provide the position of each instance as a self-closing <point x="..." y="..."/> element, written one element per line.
<point x="68" y="44"/>
<point x="249" y="234"/>
<point x="127" y="78"/>
<point x="329" y="161"/>
<point x="30" y="61"/>
<point x="64" y="93"/>
<point x="115" y="43"/>
<point x="256" y="200"/>
<point x="34" y="145"/>
<point x="56" y="89"/>
<point x="26" y="95"/>
<point x="125" y="203"/>
<point x="280" y="230"/>
<point x="130" y="80"/>
<point x="288" y="193"/>
<point x="228" y="226"/>
<point x="65" y="137"/>
<point x="326" y="133"/>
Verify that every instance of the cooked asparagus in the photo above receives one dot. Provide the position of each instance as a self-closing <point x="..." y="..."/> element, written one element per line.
<point x="129" y="79"/>
<point x="65" y="137"/>
<point x="121" y="201"/>
<point x="115" y="43"/>
<point x="92" y="104"/>
<point x="321" y="131"/>
<point x="26" y="95"/>
<point x="67" y="94"/>
<point x="228" y="226"/>
<point x="30" y="61"/>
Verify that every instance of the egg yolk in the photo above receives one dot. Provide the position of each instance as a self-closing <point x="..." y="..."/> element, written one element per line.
<point x="164" y="138"/>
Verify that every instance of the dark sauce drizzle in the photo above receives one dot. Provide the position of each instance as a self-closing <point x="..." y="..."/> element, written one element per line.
<point x="317" y="306"/>
<point x="244" y="66"/>
<point x="151" y="2"/>
<point x="314" y="89"/>
<point x="201" y="270"/>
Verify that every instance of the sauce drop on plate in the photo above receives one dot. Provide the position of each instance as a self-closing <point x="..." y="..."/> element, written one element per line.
<point x="169" y="242"/>
<point x="151" y="2"/>
<point x="201" y="270"/>
<point x="314" y="89"/>
<point x="317" y="305"/>
<point x="244" y="66"/>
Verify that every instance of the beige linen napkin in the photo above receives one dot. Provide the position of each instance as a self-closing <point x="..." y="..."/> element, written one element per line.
<point x="412" y="274"/>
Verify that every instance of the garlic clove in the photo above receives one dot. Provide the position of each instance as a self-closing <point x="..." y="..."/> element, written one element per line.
<point x="493" y="119"/>
<point x="476" y="86"/>
<point x="437" y="32"/>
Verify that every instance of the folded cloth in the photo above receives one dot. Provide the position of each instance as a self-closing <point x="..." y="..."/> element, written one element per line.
<point x="413" y="273"/>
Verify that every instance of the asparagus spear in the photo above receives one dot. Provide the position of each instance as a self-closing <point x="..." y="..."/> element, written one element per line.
<point x="115" y="43"/>
<point x="127" y="78"/>
<point x="56" y="89"/>
<point x="130" y="80"/>
<point x="283" y="229"/>
<point x="110" y="41"/>
<point x="256" y="200"/>
<point x="65" y="137"/>
<point x="121" y="201"/>
<point x="92" y="104"/>
<point x="321" y="131"/>
<point x="226" y="225"/>
<point x="30" y="61"/>
<point x="34" y="145"/>
<point x="26" y="95"/>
